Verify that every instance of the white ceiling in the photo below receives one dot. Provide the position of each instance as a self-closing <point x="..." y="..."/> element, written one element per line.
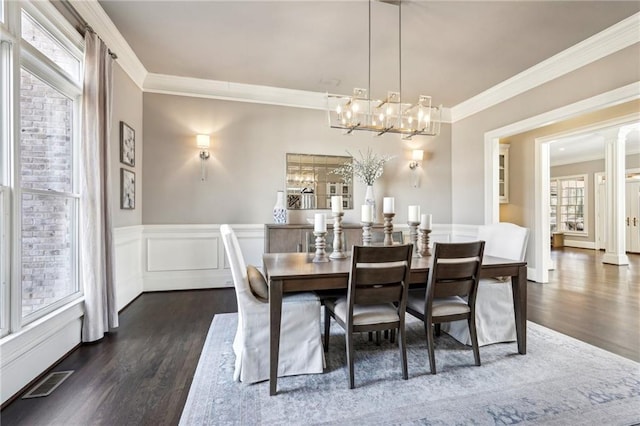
<point x="451" y="50"/>
<point x="588" y="146"/>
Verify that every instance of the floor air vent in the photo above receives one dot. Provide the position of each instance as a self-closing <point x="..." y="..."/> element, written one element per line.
<point x="48" y="384"/>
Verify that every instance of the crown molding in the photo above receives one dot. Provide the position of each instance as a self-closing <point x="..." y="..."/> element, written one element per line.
<point x="617" y="37"/>
<point x="95" y="16"/>
<point x="239" y="92"/>
<point x="226" y="90"/>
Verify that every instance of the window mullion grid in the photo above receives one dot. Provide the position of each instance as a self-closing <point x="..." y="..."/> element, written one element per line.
<point x="6" y="98"/>
<point x="45" y="69"/>
<point x="15" y="285"/>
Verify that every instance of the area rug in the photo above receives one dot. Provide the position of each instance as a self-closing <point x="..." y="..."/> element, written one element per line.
<point x="561" y="381"/>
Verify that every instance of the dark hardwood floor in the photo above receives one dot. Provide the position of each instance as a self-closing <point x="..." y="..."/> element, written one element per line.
<point x="141" y="374"/>
<point x="591" y="301"/>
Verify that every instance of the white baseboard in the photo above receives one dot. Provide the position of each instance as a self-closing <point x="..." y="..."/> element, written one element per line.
<point x="580" y="244"/>
<point x="187" y="280"/>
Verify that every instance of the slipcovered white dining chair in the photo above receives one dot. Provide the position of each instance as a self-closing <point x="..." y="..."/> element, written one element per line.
<point x="495" y="317"/>
<point x="301" y="349"/>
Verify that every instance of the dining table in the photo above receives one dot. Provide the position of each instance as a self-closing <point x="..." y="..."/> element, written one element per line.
<point x="296" y="272"/>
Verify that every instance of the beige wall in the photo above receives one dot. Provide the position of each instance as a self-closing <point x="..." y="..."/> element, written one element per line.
<point x="127" y="107"/>
<point x="247" y="164"/>
<point x="520" y="209"/>
<point x="611" y="72"/>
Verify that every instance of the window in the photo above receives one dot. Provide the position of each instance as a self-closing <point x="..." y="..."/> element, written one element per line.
<point x="40" y="73"/>
<point x="48" y="202"/>
<point x="34" y="34"/>
<point x="568" y="204"/>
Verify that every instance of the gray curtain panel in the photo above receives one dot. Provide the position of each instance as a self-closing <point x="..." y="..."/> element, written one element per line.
<point x="96" y="230"/>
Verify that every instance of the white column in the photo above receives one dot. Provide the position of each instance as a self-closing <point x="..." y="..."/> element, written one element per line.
<point x="615" y="209"/>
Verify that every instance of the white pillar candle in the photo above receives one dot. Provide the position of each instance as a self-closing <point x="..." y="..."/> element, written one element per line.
<point x="336" y="204"/>
<point x="320" y="223"/>
<point x="425" y="221"/>
<point x="367" y="213"/>
<point x="414" y="213"/>
<point x="388" y="205"/>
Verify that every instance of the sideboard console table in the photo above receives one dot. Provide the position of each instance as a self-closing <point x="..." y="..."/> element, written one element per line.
<point x="295" y="238"/>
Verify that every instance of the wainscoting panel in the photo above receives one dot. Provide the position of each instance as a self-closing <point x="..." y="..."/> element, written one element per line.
<point x="182" y="253"/>
<point x="181" y="257"/>
<point x="128" y="245"/>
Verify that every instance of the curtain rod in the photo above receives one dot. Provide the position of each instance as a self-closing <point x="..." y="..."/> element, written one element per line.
<point x="80" y="22"/>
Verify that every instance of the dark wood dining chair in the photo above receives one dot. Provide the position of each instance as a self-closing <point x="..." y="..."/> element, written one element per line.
<point x="451" y="292"/>
<point x="376" y="298"/>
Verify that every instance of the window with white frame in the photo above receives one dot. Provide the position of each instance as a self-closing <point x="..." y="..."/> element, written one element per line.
<point x="569" y="204"/>
<point x="41" y="150"/>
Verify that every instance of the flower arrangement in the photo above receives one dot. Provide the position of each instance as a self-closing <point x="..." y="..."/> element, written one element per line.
<point x="368" y="168"/>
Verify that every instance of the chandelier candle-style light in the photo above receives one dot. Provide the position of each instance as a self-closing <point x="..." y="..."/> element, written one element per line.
<point x="391" y="115"/>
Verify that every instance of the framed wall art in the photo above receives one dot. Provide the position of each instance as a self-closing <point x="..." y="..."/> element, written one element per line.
<point x="127" y="144"/>
<point x="127" y="189"/>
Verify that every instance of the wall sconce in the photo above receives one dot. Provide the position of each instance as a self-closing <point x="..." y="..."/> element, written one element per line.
<point x="203" y="142"/>
<point x="416" y="158"/>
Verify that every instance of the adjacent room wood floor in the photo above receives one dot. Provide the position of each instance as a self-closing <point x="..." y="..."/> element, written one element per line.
<point x="140" y="375"/>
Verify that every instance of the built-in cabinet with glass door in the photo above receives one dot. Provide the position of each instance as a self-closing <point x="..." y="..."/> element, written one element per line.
<point x="503" y="173"/>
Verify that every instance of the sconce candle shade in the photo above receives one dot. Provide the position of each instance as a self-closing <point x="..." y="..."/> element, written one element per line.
<point x="416" y="158"/>
<point x="203" y="141"/>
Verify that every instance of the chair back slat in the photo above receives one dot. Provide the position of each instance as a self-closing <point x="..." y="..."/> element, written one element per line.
<point x="375" y="275"/>
<point x="379" y="274"/>
<point x="453" y="288"/>
<point x="373" y="295"/>
<point x="455" y="271"/>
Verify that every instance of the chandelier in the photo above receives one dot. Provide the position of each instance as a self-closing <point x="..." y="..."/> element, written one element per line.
<point x="391" y="115"/>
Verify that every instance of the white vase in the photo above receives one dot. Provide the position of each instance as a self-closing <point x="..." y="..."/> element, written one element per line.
<point x="370" y="200"/>
<point x="279" y="210"/>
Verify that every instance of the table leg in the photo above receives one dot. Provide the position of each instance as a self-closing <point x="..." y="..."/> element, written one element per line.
<point x="519" y="288"/>
<point x="275" y="319"/>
